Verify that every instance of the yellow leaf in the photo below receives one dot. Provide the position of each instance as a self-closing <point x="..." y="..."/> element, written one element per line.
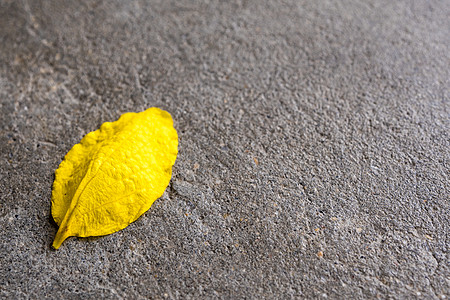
<point x="114" y="174"/>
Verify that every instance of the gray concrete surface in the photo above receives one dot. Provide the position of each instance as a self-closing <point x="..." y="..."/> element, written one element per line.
<point x="314" y="147"/>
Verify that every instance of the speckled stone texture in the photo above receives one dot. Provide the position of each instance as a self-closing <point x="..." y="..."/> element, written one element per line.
<point x="314" y="154"/>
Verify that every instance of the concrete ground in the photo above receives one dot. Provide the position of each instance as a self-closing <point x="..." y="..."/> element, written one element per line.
<point x="314" y="156"/>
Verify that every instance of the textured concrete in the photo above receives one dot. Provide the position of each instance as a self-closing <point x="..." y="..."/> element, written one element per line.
<point x="314" y="146"/>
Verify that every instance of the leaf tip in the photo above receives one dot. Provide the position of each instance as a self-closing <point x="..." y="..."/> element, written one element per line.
<point x="61" y="236"/>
